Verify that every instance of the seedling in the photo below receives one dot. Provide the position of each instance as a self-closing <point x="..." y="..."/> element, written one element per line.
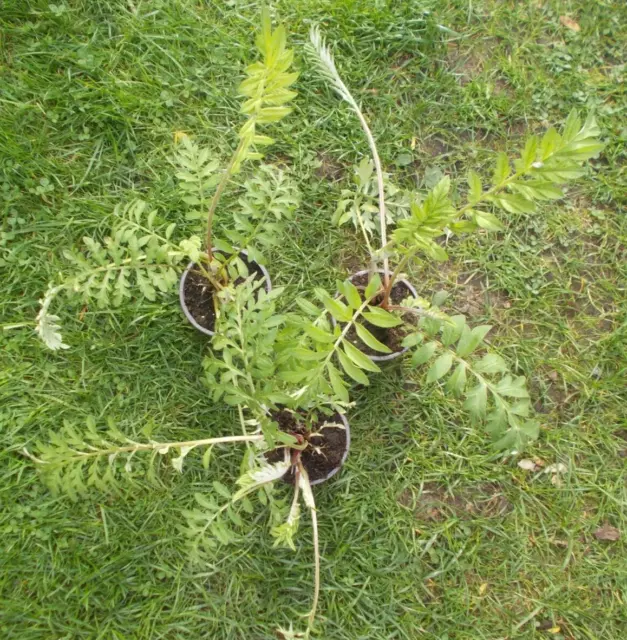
<point x="372" y="312"/>
<point x="141" y="255"/>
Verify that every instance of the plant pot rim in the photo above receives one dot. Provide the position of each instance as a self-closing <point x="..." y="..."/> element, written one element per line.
<point x="394" y="354"/>
<point x="344" y="455"/>
<point x="184" y="307"/>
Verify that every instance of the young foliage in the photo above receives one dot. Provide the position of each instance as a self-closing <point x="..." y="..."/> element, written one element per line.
<point x="267" y="93"/>
<point x="198" y="175"/>
<point x="269" y="200"/>
<point x="266" y="90"/>
<point x="360" y="203"/>
<point x="73" y="461"/>
<point x="458" y="360"/>
<point x="319" y="353"/>
<point x="542" y="168"/>
<point x="139" y="256"/>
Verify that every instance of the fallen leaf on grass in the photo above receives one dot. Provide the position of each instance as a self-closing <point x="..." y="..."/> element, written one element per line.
<point x="483" y="588"/>
<point x="527" y="465"/>
<point x="570" y="23"/>
<point x="607" y="532"/>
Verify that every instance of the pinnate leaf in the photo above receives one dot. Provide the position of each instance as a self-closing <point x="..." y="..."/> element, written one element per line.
<point x="351" y="369"/>
<point x="359" y="358"/>
<point x="440" y="367"/>
<point x="369" y="340"/>
<point x="381" y="318"/>
<point x="471" y="339"/>
<point x="423" y="354"/>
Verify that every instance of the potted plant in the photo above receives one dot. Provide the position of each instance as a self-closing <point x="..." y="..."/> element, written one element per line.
<point x="380" y="312"/>
<point x="141" y="253"/>
<point x="297" y="434"/>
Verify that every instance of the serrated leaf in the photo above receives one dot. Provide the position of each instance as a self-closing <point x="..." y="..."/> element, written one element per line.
<point x="452" y="330"/>
<point x="308" y="307"/>
<point x="221" y="489"/>
<point x="457" y="382"/>
<point x="318" y="334"/>
<point x="412" y="340"/>
<point x="477" y="401"/>
<point x="488" y="221"/>
<point x="501" y="170"/>
<point x="352" y="370"/>
<point x="475" y="187"/>
<point x="369" y="340"/>
<point x="514" y="203"/>
<point x="512" y="387"/>
<point x="359" y="358"/>
<point x="529" y="153"/>
<point x="440" y="367"/>
<point x="337" y="309"/>
<point x="423" y="354"/>
<point x="491" y="363"/>
<point x="471" y="339"/>
<point x="381" y="318"/>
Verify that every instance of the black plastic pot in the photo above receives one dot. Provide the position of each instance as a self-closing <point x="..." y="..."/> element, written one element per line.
<point x="394" y="354"/>
<point x="190" y="266"/>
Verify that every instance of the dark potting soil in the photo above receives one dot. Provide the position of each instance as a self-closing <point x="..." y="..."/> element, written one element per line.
<point x="198" y="293"/>
<point x="392" y="337"/>
<point x="331" y="442"/>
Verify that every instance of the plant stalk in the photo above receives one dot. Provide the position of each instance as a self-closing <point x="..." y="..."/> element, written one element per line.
<point x="380" y="187"/>
<point x="228" y="172"/>
<point x="157" y="445"/>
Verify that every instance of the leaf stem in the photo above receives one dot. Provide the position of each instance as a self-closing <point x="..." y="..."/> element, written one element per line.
<point x="158" y="445"/>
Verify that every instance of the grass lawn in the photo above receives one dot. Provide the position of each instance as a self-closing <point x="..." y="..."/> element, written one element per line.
<point x="425" y="533"/>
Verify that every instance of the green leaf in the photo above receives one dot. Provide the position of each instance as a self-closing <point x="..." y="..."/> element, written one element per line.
<point x="491" y="363"/>
<point x="206" y="457"/>
<point x="337" y="384"/>
<point x="512" y="387"/>
<point x="307" y="307"/>
<point x="452" y="330"/>
<point x="318" y="334"/>
<point x="476" y="189"/>
<point x="457" y="382"/>
<point x="440" y="367"/>
<point x="221" y="489"/>
<point x="354" y="372"/>
<point x="337" y="309"/>
<point x="487" y="221"/>
<point x="412" y="340"/>
<point x="381" y="318"/>
<point x="256" y="255"/>
<point x="374" y="285"/>
<point x="368" y="339"/>
<point x="502" y="169"/>
<point x="516" y="438"/>
<point x="477" y="400"/>
<point x="528" y="156"/>
<point x="423" y="354"/>
<point x="538" y="189"/>
<point x="571" y="126"/>
<point x="513" y="203"/>
<point x="470" y="340"/>
<point x="352" y="294"/>
<point x="359" y="358"/>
